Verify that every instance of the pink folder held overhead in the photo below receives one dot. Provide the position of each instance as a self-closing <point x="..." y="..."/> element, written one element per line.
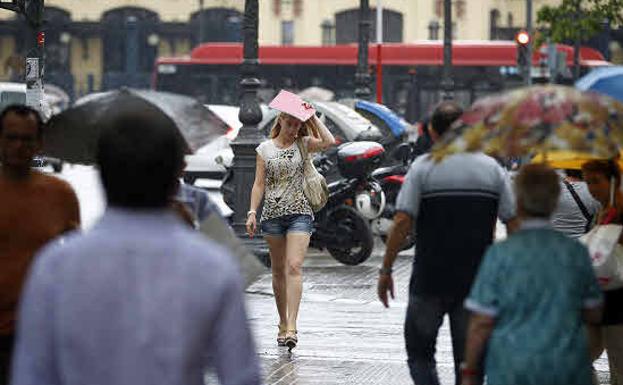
<point x="292" y="104"/>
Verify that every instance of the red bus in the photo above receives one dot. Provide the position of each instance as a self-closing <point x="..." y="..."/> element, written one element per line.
<point x="411" y="72"/>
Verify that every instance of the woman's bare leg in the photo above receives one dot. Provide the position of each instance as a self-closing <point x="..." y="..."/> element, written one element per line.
<point x="296" y="248"/>
<point x="277" y="247"/>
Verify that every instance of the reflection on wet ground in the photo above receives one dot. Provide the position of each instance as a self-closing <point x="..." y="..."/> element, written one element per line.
<point x="345" y="334"/>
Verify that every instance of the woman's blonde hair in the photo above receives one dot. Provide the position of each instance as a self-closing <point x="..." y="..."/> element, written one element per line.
<point x="308" y="128"/>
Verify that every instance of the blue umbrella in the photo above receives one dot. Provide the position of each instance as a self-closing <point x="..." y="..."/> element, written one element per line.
<point x="396" y="124"/>
<point x="605" y="80"/>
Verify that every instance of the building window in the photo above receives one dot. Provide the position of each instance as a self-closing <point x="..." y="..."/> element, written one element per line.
<point x="216" y="25"/>
<point x="433" y="30"/>
<point x="126" y="32"/>
<point x="347" y="26"/>
<point x="287" y="32"/>
<point x="172" y="46"/>
<point x="328" y="32"/>
<point x="436" y="30"/>
<point x="494" y="20"/>
<point x="85" y="48"/>
<point x="277" y="7"/>
<point x="460" y="8"/>
<point x="509" y="20"/>
<point x="298" y="8"/>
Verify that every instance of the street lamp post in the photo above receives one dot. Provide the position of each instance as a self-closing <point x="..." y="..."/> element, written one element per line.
<point x="528" y="69"/>
<point x="362" y="77"/>
<point x="243" y="168"/>
<point x="447" y="84"/>
<point x="201" y="23"/>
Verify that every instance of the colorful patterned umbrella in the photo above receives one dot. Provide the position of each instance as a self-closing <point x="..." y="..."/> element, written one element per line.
<point x="538" y="119"/>
<point x="569" y="160"/>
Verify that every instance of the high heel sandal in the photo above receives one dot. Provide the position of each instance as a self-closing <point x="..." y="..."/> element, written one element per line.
<point x="291" y="339"/>
<point x="281" y="336"/>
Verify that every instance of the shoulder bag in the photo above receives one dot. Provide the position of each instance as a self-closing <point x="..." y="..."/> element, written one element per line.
<point x="606" y="254"/>
<point x="581" y="206"/>
<point x="314" y="184"/>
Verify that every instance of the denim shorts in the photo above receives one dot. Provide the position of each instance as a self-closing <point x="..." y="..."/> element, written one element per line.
<point x="280" y="226"/>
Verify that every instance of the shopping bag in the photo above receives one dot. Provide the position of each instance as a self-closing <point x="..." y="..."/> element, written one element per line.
<point x="606" y="254"/>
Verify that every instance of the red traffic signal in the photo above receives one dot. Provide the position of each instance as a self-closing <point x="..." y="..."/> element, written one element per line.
<point x="522" y="37"/>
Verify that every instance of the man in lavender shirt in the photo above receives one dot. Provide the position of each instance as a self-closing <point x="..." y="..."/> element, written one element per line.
<point x="140" y="299"/>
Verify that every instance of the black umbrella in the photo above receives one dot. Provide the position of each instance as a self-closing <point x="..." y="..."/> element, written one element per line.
<point x="72" y="135"/>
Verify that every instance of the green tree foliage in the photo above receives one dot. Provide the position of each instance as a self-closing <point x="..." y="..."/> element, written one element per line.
<point x="578" y="19"/>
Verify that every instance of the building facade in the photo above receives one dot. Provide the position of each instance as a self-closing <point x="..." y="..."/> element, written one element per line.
<point x="99" y="45"/>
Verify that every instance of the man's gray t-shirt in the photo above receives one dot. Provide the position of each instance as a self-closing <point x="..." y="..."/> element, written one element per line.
<point x="454" y="204"/>
<point x="568" y="218"/>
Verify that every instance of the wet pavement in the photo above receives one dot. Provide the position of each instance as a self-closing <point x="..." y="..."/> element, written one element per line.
<point x="345" y="334"/>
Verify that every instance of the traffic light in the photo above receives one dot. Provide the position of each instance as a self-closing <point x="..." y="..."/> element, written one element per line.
<point x="522" y="39"/>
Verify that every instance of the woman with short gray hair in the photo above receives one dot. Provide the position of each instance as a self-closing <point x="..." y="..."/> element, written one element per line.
<point x="530" y="296"/>
<point x="537" y="190"/>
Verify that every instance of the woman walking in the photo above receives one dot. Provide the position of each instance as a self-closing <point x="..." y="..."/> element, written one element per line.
<point x="603" y="178"/>
<point x="531" y="298"/>
<point x="287" y="217"/>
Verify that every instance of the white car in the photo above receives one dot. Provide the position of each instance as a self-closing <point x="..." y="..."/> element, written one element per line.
<point x="15" y="93"/>
<point x="211" y="160"/>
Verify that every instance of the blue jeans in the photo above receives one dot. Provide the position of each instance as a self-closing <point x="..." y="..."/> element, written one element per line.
<point x="424" y="318"/>
<point x="280" y="226"/>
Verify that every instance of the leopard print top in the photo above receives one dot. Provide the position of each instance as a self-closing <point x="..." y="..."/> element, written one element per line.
<point x="283" y="193"/>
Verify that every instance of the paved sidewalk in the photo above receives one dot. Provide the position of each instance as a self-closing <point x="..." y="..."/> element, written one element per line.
<point x="345" y="334"/>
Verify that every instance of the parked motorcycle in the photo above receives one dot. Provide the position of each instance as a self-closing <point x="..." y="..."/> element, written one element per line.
<point x="342" y="226"/>
<point x="391" y="179"/>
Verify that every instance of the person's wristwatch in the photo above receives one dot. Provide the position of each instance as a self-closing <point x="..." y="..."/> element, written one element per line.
<point x="385" y="270"/>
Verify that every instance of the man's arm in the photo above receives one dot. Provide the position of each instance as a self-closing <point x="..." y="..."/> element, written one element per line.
<point x="71" y="207"/>
<point x="512" y="225"/>
<point x="592" y="315"/>
<point x="34" y="356"/>
<point x="507" y="206"/>
<point x="478" y="334"/>
<point x="399" y="231"/>
<point x="592" y="296"/>
<point x="219" y="231"/>
<point x="231" y="345"/>
<point x="407" y="207"/>
<point x="484" y="302"/>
